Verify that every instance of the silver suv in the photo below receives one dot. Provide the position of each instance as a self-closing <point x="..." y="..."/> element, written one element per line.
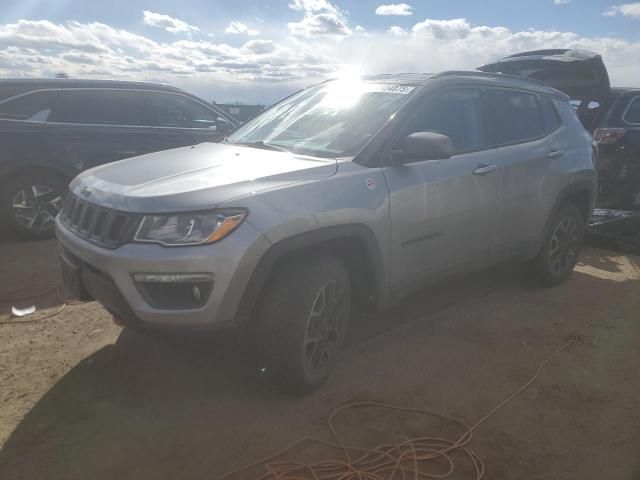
<point x="352" y="192"/>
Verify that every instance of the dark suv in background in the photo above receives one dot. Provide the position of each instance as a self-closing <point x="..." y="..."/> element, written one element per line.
<point x="618" y="135"/>
<point x="611" y="115"/>
<point x="51" y="130"/>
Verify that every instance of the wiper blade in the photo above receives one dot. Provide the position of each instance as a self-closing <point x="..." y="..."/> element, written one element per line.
<point x="264" y="146"/>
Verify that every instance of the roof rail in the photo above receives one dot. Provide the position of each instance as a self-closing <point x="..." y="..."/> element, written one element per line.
<point x="478" y="73"/>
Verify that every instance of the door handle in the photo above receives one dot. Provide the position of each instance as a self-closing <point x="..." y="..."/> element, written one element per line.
<point x="555" y="153"/>
<point x="483" y="169"/>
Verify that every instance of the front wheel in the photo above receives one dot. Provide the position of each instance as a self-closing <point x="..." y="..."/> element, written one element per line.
<point x="303" y="321"/>
<point x="562" y="245"/>
<point x="30" y="203"/>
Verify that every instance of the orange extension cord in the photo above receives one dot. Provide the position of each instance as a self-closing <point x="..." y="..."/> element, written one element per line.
<point x="410" y="459"/>
<point x="9" y="298"/>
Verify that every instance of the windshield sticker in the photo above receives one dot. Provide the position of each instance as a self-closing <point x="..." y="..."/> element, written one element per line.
<point x="388" y="88"/>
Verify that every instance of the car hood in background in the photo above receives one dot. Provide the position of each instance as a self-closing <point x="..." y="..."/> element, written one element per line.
<point x="581" y="74"/>
<point x="194" y="178"/>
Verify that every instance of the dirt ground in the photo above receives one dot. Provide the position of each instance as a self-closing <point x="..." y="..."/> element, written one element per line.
<point x="82" y="399"/>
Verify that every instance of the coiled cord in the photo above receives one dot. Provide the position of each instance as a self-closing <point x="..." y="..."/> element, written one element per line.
<point x="414" y="458"/>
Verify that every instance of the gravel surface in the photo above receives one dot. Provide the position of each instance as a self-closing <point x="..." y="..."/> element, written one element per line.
<point x="82" y="399"/>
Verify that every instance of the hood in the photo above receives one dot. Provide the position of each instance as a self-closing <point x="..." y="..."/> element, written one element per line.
<point x="194" y="178"/>
<point x="581" y="74"/>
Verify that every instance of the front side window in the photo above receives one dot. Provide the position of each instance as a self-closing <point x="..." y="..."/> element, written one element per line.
<point x="98" y="107"/>
<point x="516" y="116"/>
<point x="632" y="115"/>
<point x="456" y="113"/>
<point x="178" y="111"/>
<point x="35" y="107"/>
<point x="334" y="119"/>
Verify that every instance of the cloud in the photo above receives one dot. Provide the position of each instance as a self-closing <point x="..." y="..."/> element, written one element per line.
<point x="319" y="24"/>
<point x="456" y="28"/>
<point x="259" y="47"/>
<point x="631" y="10"/>
<point x="241" y="28"/>
<point x="395" y="9"/>
<point x="397" y="31"/>
<point x="561" y="2"/>
<point x="321" y="18"/>
<point x="263" y="70"/>
<point x="310" y="6"/>
<point x="170" y="24"/>
<point x="42" y="48"/>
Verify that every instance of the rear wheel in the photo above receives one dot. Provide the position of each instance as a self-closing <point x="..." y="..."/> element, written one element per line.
<point x="303" y="321"/>
<point x="30" y="204"/>
<point x="562" y="245"/>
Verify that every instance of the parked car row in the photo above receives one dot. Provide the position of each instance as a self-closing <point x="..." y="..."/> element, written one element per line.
<point x="611" y="115"/>
<point x="51" y="130"/>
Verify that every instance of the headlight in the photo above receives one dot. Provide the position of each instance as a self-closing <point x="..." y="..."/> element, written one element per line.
<point x="189" y="228"/>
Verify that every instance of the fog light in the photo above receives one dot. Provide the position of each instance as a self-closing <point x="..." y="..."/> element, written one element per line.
<point x="174" y="290"/>
<point x="173" y="277"/>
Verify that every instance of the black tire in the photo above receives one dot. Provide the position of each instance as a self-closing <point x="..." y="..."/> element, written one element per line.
<point x="292" y="314"/>
<point x="40" y="196"/>
<point x="561" y="248"/>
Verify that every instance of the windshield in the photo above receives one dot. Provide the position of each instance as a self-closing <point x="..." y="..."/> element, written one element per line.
<point x="334" y="119"/>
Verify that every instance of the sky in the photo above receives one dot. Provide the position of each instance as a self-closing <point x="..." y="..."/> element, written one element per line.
<point x="257" y="51"/>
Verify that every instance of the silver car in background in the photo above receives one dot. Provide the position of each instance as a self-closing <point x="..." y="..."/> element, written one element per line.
<point x="353" y="192"/>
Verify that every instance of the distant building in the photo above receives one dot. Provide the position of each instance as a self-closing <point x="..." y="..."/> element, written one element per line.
<point x="240" y="111"/>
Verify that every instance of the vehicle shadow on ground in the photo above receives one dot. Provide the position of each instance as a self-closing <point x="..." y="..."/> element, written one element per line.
<point x="31" y="279"/>
<point x="150" y="403"/>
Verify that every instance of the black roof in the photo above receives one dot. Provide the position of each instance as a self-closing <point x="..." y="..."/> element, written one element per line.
<point x="32" y="83"/>
<point x="496" y="78"/>
<point x="399" y="78"/>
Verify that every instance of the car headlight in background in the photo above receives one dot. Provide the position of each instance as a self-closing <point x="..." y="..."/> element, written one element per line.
<point x="198" y="228"/>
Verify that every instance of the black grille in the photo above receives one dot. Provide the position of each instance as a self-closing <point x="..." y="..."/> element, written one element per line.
<point x="103" y="226"/>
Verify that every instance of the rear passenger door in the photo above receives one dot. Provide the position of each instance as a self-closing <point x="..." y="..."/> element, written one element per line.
<point x="180" y="120"/>
<point x="94" y="126"/>
<point x="527" y="133"/>
<point x="443" y="211"/>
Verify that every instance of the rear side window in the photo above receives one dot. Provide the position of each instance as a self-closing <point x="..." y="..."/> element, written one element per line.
<point x="457" y="113"/>
<point x="35" y="107"/>
<point x="516" y="116"/>
<point x="99" y="107"/>
<point x="550" y="118"/>
<point x="178" y="111"/>
<point x="632" y="114"/>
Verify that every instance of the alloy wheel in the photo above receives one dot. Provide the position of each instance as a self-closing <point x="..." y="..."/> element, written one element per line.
<point x="35" y="207"/>
<point x="325" y="326"/>
<point x="565" y="243"/>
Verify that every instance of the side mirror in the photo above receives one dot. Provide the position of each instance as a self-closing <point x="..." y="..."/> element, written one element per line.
<point x="423" y="146"/>
<point x="224" y="126"/>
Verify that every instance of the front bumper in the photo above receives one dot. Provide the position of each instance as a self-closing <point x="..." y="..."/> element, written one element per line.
<point x="107" y="276"/>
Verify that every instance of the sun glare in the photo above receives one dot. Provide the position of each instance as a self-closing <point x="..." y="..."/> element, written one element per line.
<point x="345" y="91"/>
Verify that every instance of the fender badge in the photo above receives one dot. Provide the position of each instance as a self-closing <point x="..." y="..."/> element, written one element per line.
<point x="371" y="184"/>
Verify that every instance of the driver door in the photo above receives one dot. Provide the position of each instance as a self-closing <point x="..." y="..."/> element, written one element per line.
<point x="443" y="211"/>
